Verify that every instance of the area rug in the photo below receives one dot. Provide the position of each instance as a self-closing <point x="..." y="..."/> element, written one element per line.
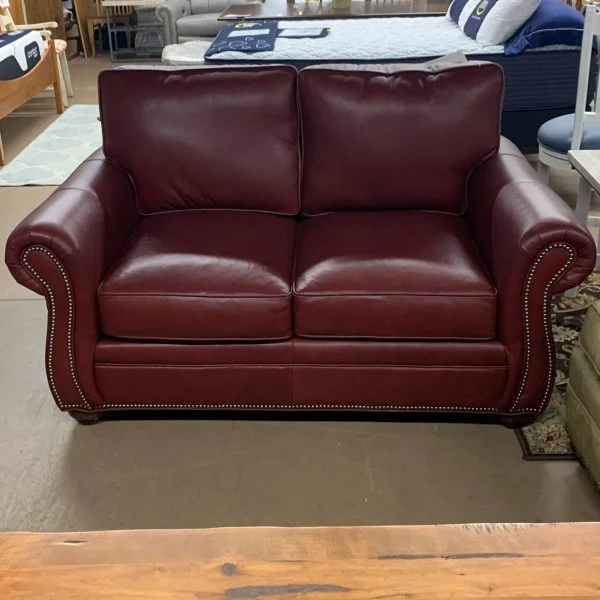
<point x="547" y="438"/>
<point x="57" y="152"/>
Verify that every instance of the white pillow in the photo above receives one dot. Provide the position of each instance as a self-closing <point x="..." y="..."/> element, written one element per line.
<point x="491" y="22"/>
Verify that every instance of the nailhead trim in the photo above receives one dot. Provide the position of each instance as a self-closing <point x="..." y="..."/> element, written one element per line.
<point x="303" y="406"/>
<point x="88" y="405"/>
<point x="70" y="320"/>
<point x="547" y="321"/>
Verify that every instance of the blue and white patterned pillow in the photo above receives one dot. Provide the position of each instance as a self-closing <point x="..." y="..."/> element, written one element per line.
<point x="491" y="22"/>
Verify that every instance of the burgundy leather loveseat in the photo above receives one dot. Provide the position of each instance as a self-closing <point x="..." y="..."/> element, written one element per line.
<point x="259" y="238"/>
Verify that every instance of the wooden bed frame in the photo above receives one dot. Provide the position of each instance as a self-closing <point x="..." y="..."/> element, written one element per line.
<point x="16" y="92"/>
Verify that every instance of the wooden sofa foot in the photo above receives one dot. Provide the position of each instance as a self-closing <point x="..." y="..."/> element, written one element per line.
<point x="85" y="418"/>
<point x="517" y="421"/>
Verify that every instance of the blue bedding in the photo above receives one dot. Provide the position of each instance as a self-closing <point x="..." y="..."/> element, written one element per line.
<point x="553" y="23"/>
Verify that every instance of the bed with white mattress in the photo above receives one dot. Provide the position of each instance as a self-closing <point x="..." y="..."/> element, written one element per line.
<point x="20" y="52"/>
<point x="367" y="40"/>
<point x="540" y="84"/>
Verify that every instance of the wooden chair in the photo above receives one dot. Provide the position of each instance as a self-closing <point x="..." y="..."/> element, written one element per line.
<point x="16" y="92"/>
<point x="7" y="23"/>
<point x="60" y="47"/>
<point x="96" y="15"/>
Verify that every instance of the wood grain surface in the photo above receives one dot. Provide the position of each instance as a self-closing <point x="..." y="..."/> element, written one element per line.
<point x="587" y="164"/>
<point x="17" y="11"/>
<point x="417" y="562"/>
<point x="15" y="92"/>
<point x="41" y="11"/>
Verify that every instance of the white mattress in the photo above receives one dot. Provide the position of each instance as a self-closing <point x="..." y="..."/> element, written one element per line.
<point x="16" y="46"/>
<point x="370" y="39"/>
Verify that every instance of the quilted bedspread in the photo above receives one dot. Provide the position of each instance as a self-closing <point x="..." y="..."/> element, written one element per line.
<point x="370" y="39"/>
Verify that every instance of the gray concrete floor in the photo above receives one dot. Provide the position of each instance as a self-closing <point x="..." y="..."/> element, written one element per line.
<point x="57" y="476"/>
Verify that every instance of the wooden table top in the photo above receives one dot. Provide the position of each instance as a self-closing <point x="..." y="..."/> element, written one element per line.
<point x="462" y="562"/>
<point x="328" y="9"/>
<point x="587" y="164"/>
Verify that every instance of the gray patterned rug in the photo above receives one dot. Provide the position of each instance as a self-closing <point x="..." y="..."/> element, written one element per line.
<point x="58" y="151"/>
<point x="547" y="438"/>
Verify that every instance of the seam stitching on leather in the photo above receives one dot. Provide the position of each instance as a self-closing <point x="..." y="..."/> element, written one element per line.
<point x="114" y="295"/>
<point x="546" y="320"/>
<point x="310" y="406"/>
<point x="490" y="296"/>
<point x="52" y="320"/>
<point x="119" y="254"/>
<point x="68" y="188"/>
<point x="420" y="338"/>
<point x="296" y="251"/>
<point x="519" y="182"/>
<point x="291" y="365"/>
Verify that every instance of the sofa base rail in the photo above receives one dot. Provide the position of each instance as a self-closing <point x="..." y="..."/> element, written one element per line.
<point x="466" y="380"/>
<point x="510" y="421"/>
<point x="448" y="388"/>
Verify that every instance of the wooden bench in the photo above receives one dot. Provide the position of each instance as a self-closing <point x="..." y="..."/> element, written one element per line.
<point x="348" y="563"/>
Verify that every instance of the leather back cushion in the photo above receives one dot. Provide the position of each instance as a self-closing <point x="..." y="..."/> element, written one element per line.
<point x="222" y="138"/>
<point x="376" y="139"/>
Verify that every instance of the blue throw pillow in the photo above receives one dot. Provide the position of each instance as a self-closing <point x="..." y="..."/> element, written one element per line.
<point x="552" y="23"/>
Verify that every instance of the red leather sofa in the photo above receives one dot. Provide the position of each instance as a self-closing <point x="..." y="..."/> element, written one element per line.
<point x="259" y="238"/>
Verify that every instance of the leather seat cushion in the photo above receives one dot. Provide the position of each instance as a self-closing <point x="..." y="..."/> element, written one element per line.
<point x="557" y="134"/>
<point x="391" y="275"/>
<point x="202" y="275"/>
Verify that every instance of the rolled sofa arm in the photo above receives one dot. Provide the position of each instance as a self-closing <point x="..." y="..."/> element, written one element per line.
<point x="168" y="13"/>
<point x="62" y="250"/>
<point x="533" y="246"/>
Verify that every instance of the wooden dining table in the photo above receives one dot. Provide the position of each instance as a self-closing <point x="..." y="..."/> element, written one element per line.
<point x="548" y="561"/>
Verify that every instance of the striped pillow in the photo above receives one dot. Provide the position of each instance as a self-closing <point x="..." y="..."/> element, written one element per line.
<point x="491" y="22"/>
